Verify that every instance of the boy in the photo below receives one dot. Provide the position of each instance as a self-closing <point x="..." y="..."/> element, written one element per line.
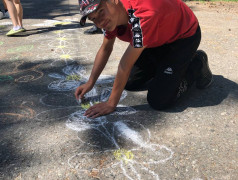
<point x="164" y="36"/>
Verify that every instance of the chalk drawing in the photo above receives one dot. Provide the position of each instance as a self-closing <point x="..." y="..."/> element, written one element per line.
<point x="5" y="78"/>
<point x="63" y="47"/>
<point x="1" y="43"/>
<point x="66" y="82"/>
<point x="18" y="68"/>
<point x="123" y="154"/>
<point x="112" y="134"/>
<point x="58" y="100"/>
<point x="56" y="114"/>
<point x="72" y="77"/>
<point x="128" y="160"/>
<point x="124" y="144"/>
<point x="13" y="114"/>
<point x="19" y="49"/>
<point x="5" y="23"/>
<point x="48" y="23"/>
<point x="62" y="23"/>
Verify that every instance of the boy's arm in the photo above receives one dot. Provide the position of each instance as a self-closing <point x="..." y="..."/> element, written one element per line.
<point x="101" y="58"/>
<point x="128" y="60"/>
<point x="99" y="63"/>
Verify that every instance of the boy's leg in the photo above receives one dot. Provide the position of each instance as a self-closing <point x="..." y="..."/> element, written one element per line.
<point x="143" y="70"/>
<point x="171" y="79"/>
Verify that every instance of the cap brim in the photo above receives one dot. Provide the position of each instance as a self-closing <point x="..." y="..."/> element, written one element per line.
<point x="93" y="7"/>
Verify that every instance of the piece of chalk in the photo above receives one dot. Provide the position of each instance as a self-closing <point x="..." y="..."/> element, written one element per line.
<point x="79" y="101"/>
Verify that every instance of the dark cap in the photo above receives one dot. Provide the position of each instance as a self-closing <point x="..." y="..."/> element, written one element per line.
<point x="87" y="7"/>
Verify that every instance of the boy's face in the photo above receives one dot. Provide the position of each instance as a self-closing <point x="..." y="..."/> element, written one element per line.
<point x="106" y="15"/>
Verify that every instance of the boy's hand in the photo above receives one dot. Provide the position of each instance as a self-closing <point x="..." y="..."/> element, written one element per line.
<point x="83" y="89"/>
<point x="99" y="110"/>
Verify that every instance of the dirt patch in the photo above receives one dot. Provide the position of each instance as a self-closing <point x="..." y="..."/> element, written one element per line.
<point x="224" y="7"/>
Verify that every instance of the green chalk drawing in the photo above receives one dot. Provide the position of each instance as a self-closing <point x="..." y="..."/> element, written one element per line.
<point x="20" y="49"/>
<point x="1" y="43"/>
<point x="1" y="26"/>
<point x="74" y="77"/>
<point x="15" y="58"/>
<point x="5" y="78"/>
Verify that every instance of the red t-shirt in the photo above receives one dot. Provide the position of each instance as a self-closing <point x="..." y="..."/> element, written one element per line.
<point x="153" y="23"/>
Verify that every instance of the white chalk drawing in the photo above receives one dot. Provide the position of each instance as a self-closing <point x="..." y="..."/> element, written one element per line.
<point x="72" y="77"/>
<point x="48" y="23"/>
<point x="113" y="134"/>
<point x="61" y="42"/>
<point x="5" y="23"/>
<point x="119" y="143"/>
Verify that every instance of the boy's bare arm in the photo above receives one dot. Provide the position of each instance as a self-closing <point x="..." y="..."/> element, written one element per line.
<point x="100" y="61"/>
<point x="128" y="60"/>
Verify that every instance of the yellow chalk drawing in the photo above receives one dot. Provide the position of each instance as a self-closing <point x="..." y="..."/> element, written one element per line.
<point x="62" y="39"/>
<point x="58" y="32"/>
<point x="74" y="77"/>
<point x="123" y="154"/>
<point x="87" y="105"/>
<point x="60" y="47"/>
<point x="65" y="56"/>
<point x="62" y="23"/>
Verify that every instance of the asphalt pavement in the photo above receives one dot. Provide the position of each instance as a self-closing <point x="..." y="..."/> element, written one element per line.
<point x="44" y="135"/>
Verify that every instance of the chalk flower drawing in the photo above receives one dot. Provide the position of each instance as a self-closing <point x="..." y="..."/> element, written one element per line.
<point x="129" y="160"/>
<point x="124" y="144"/>
<point x="122" y="147"/>
<point x="72" y="77"/>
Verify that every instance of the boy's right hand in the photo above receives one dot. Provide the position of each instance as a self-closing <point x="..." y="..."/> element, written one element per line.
<point x="83" y="89"/>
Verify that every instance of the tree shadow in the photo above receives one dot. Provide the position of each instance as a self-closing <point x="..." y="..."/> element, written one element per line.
<point x="42" y="30"/>
<point x="112" y="133"/>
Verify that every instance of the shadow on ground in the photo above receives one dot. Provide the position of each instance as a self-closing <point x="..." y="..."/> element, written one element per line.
<point x="20" y="103"/>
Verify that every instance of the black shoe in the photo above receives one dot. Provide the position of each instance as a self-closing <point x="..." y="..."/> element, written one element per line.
<point x="93" y="30"/>
<point x="205" y="78"/>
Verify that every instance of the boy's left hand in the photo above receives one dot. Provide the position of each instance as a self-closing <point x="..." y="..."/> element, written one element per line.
<point x="99" y="110"/>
